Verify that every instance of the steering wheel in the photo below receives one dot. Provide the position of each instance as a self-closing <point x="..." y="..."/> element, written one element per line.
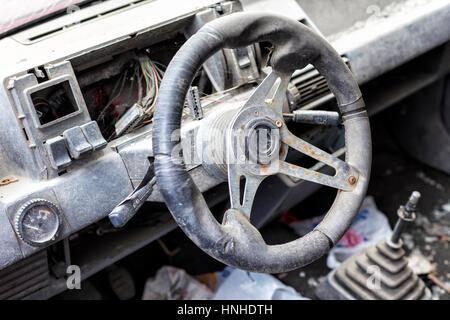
<point x="236" y="241"/>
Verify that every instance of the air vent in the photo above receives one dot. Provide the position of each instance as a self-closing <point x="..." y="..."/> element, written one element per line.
<point x="308" y="88"/>
<point x="74" y="18"/>
<point x="24" y="278"/>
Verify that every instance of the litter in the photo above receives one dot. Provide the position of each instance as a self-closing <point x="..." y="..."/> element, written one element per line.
<point x="430" y="239"/>
<point x="171" y="283"/>
<point x="420" y="265"/>
<point x="238" y="284"/>
<point x="442" y="285"/>
<point x="446" y="207"/>
<point x="429" y="181"/>
<point x="369" y="227"/>
<point x="282" y="275"/>
<point x="439" y="230"/>
<point x="313" y="282"/>
<point x="408" y="240"/>
<point x="440" y="224"/>
<point x="214" y="280"/>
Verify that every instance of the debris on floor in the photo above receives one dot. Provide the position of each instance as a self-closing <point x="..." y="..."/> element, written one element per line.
<point x="171" y="283"/>
<point x="121" y="282"/>
<point x="419" y="264"/>
<point x="243" y="285"/>
<point x="440" y="225"/>
<point x="429" y="181"/>
<point x="446" y="209"/>
<point x="312" y="282"/>
<point x="369" y="227"/>
<point x="433" y="238"/>
<point x="408" y="240"/>
<point x="441" y="284"/>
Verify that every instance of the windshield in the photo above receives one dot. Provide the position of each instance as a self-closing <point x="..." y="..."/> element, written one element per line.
<point x="15" y="14"/>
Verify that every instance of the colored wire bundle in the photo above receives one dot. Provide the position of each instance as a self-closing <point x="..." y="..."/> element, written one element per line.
<point x="145" y="75"/>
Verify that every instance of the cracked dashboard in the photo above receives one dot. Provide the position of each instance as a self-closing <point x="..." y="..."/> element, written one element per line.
<point x="77" y="97"/>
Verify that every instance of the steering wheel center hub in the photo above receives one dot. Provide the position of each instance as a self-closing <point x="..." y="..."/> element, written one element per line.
<point x="262" y="141"/>
<point x="254" y="141"/>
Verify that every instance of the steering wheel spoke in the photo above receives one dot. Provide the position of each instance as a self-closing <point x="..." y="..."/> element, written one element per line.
<point x="271" y="92"/>
<point x="243" y="189"/>
<point x="338" y="181"/>
<point x="345" y="176"/>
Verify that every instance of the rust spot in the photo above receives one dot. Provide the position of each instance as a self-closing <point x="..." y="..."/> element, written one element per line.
<point x="6" y="181"/>
<point x="264" y="168"/>
<point x="352" y="180"/>
<point x="279" y="123"/>
<point x="306" y="147"/>
<point x="317" y="175"/>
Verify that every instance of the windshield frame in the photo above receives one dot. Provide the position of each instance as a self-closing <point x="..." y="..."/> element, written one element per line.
<point x="46" y="13"/>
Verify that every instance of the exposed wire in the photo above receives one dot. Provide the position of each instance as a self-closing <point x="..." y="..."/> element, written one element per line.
<point x="159" y="64"/>
<point x="41" y="104"/>
<point x="140" y="77"/>
<point x="155" y="73"/>
<point x="120" y="81"/>
<point x="148" y="73"/>
<point x="47" y="104"/>
<point x="210" y="97"/>
<point x="226" y="90"/>
<point x="98" y="97"/>
<point x="224" y="101"/>
<point x="130" y="91"/>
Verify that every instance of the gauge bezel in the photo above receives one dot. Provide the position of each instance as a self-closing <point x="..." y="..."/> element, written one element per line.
<point x="21" y="214"/>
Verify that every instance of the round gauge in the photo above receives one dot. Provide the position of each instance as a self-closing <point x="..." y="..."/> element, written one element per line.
<point x="37" y="222"/>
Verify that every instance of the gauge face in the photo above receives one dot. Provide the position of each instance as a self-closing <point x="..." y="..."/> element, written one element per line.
<point x="38" y="222"/>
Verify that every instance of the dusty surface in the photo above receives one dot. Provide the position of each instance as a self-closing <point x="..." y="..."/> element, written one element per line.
<point x="394" y="177"/>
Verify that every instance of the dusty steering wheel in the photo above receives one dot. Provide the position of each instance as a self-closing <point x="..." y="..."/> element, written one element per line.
<point x="236" y="241"/>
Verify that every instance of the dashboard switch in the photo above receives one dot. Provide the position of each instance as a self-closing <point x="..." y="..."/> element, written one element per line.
<point x="76" y="142"/>
<point x="57" y="152"/>
<point x="93" y="135"/>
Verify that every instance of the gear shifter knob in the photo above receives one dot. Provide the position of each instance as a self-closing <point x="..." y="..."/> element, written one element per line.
<point x="406" y="214"/>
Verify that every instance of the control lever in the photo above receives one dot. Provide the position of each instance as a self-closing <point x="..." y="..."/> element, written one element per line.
<point x="406" y="214"/>
<point x="125" y="210"/>
<point x="319" y="117"/>
<point x="379" y="272"/>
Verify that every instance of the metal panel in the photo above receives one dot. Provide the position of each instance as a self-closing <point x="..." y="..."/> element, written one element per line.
<point x="24" y="278"/>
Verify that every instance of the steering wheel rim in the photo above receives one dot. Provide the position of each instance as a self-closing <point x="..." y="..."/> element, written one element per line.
<point x="236" y="241"/>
